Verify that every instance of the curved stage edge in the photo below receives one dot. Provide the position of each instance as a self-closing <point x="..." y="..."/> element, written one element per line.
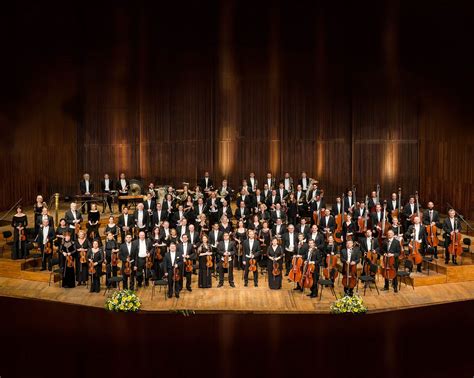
<point x="43" y="338"/>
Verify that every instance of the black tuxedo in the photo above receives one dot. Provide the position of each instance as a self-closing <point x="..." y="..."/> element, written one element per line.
<point x="108" y="200"/>
<point x="274" y="216"/>
<point x="282" y="230"/>
<point x="168" y="268"/>
<point x="141" y="261"/>
<point x="246" y="253"/>
<point x="46" y="258"/>
<point x="145" y="221"/>
<point x="220" y="252"/>
<point x="212" y="239"/>
<point x="159" y="217"/>
<point x="286" y="244"/>
<point x="246" y="215"/>
<point x="121" y="192"/>
<point x="336" y="211"/>
<point x="448" y="228"/>
<point x="202" y="183"/>
<point x="124" y="253"/>
<point x="205" y="210"/>
<point x="346" y="203"/>
<point x="227" y="212"/>
<point x="130" y="224"/>
<point x="434" y="217"/>
<point x="395" y="248"/>
<point x="373" y="247"/>
<point x="189" y="251"/>
<point x="39" y="221"/>
<point x="272" y="200"/>
<point x="329" y="223"/>
<point x="318" y="239"/>
<point x="70" y="219"/>
<point x="82" y="187"/>
<point x="247" y="200"/>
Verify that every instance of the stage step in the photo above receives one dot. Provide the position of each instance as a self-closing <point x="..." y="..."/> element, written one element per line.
<point x="28" y="269"/>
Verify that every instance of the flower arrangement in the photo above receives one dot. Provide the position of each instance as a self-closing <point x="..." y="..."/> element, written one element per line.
<point x="123" y="300"/>
<point x="349" y="305"/>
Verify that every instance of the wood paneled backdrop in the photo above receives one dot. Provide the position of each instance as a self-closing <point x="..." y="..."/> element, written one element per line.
<point x="373" y="93"/>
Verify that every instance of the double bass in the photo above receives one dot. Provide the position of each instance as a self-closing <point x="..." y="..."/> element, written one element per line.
<point x="432" y="235"/>
<point x="383" y="225"/>
<point x="417" y="212"/>
<point x="362" y="221"/>
<point x="340" y="219"/>
<point x="396" y="212"/>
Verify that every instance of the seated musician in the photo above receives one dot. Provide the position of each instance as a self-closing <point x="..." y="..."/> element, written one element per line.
<point x="86" y="187"/>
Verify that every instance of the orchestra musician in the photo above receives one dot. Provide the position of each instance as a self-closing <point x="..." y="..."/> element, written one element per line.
<point x="73" y="217"/>
<point x="275" y="256"/>
<point x="159" y="215"/>
<point x="205" y="273"/>
<point x="314" y="257"/>
<point x="41" y="217"/>
<point x="149" y="205"/>
<point x="257" y="199"/>
<point x="315" y="235"/>
<point x="213" y="204"/>
<point x="349" y="228"/>
<point x="141" y="219"/>
<point x="392" y="205"/>
<point x="45" y="235"/>
<point x="410" y="209"/>
<point x="417" y="233"/>
<point x="273" y="199"/>
<point x="289" y="241"/>
<point x="173" y="262"/>
<point x="316" y="205"/>
<point x="206" y="183"/>
<point x="253" y="182"/>
<point x="349" y="203"/>
<point x="327" y="224"/>
<point x="303" y="182"/>
<point x="282" y="193"/>
<point x="292" y="209"/>
<point x="287" y="182"/>
<point x="301" y="250"/>
<point x="67" y="255"/>
<point x="277" y="213"/>
<point x="19" y="224"/>
<point x="242" y="213"/>
<point x="278" y="229"/>
<point x="86" y="186"/>
<point x="141" y="250"/>
<point x="128" y="255"/>
<point x="122" y="187"/>
<point x="270" y="181"/>
<point x="224" y="192"/>
<point x="111" y="227"/>
<point x="451" y="226"/>
<point x="82" y="248"/>
<point x="226" y="251"/>
<point x="111" y="254"/>
<point x="92" y="224"/>
<point x="189" y="254"/>
<point x="107" y="186"/>
<point x="125" y="223"/>
<point x="251" y="250"/>
<point x="431" y="218"/>
<point x="391" y="247"/>
<point x="96" y="256"/>
<point x="350" y="255"/>
<point x="240" y="235"/>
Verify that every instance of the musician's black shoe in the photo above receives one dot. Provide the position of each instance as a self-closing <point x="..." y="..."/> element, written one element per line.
<point x="232" y="284"/>
<point x="296" y="288"/>
<point x="177" y="295"/>
<point x="256" y="285"/>
<point x="385" y="289"/>
<point x="246" y="284"/>
<point x="313" y="295"/>
<point x="42" y="269"/>
<point x="170" y="295"/>
<point x="419" y="270"/>
<point x="455" y="262"/>
<point x="220" y="285"/>
<point x="395" y="289"/>
<point x="446" y="262"/>
<point x="189" y="289"/>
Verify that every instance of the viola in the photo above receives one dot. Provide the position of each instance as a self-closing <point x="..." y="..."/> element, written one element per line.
<point x="70" y="261"/>
<point x="276" y="269"/>
<point x="149" y="261"/>
<point x="349" y="275"/>
<point x="47" y="248"/>
<point x="22" y="234"/>
<point x="176" y="275"/>
<point x="432" y="237"/>
<point x="295" y="272"/>
<point x="127" y="268"/>
<point x="91" y="267"/>
<point x="82" y="256"/>
<point x="189" y="265"/>
<point x="158" y="255"/>
<point x="388" y="267"/>
<point x="225" y="263"/>
<point x="455" y="248"/>
<point x="209" y="262"/>
<point x="77" y="228"/>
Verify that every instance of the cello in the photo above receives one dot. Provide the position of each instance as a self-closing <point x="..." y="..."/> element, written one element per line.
<point x="414" y="247"/>
<point x="349" y="275"/>
<point x="383" y="225"/>
<point x="396" y="212"/>
<point x="295" y="272"/>
<point x="432" y="237"/>
<point x="330" y="272"/>
<point x="455" y="247"/>
<point x="388" y="267"/>
<point x="307" y="277"/>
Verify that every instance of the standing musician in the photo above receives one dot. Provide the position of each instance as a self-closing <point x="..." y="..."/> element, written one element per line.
<point x="67" y="255"/>
<point x="410" y="209"/>
<point x="292" y="209"/>
<point x="314" y="257"/>
<point x="313" y="193"/>
<point x="392" y="205"/>
<point x="374" y="200"/>
<point x="349" y="204"/>
<point x="169" y="206"/>
<point x="252" y="181"/>
<point x="282" y="193"/>
<point x="19" y="224"/>
<point x="226" y="251"/>
<point x="213" y="205"/>
<point x="38" y="210"/>
<point x="199" y="209"/>
<point x="173" y="263"/>
<point x="128" y="257"/>
<point x="111" y="227"/>
<point x="149" y="205"/>
<point x="277" y="213"/>
<point x="86" y="186"/>
<point x="318" y="237"/>
<point x="206" y="261"/>
<point x="301" y="250"/>
<point x="224" y="192"/>
<point x="107" y="185"/>
<point x="44" y="239"/>
<point x="369" y="243"/>
<point x="316" y="205"/>
<point x="391" y="247"/>
<point x="431" y="218"/>
<point x="240" y="235"/>
<point x="289" y="241"/>
<point x="329" y="249"/>
<point x="122" y="187"/>
<point x="257" y="200"/>
<point x="189" y="256"/>
<point x="96" y="257"/>
<point x="287" y="182"/>
<point x="350" y="255"/>
<point x="41" y="217"/>
<point x="417" y="233"/>
<point x="73" y="217"/>
<point x="270" y="181"/>
<point x="327" y="223"/>
<point x="301" y="203"/>
<point x="125" y="223"/>
<point x="451" y="226"/>
<point x="397" y="229"/>
<point x="251" y="251"/>
<point x="141" y="219"/>
<point x="141" y="250"/>
<point x="349" y="229"/>
<point x="206" y="183"/>
<point x="303" y="182"/>
<point x="278" y="229"/>
<point x="159" y="216"/>
<point x="242" y="213"/>
<point x="377" y="217"/>
<point x="82" y="248"/>
<point x="267" y="192"/>
<point x="275" y="262"/>
<point x="92" y="224"/>
<point x="244" y="196"/>
<point x="337" y="207"/>
<point x="273" y="199"/>
<point x="111" y="256"/>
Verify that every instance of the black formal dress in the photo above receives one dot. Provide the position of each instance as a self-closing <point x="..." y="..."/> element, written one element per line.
<point x="69" y="272"/>
<point x="93" y="225"/>
<point x="205" y="273"/>
<point x="19" y="246"/>
<point x="247" y="252"/>
<point x="170" y="261"/>
<point x="82" y="274"/>
<point x="112" y="270"/>
<point x="275" y="254"/>
<point x="97" y="257"/>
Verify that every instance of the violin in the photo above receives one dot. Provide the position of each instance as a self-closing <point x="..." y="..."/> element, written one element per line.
<point x="158" y="255"/>
<point x="295" y="272"/>
<point x="22" y="234"/>
<point x="149" y="261"/>
<point x="82" y="256"/>
<point x="455" y="248"/>
<point x="176" y="275"/>
<point x="127" y="268"/>
<point x="252" y="265"/>
<point x="69" y="261"/>
<point x="432" y="237"/>
<point x="47" y="248"/>
<point x="91" y="267"/>
<point x="349" y="275"/>
<point x="209" y="262"/>
<point x="225" y="263"/>
<point x="189" y="265"/>
<point x="114" y="259"/>
<point x="276" y="269"/>
<point x="388" y="267"/>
